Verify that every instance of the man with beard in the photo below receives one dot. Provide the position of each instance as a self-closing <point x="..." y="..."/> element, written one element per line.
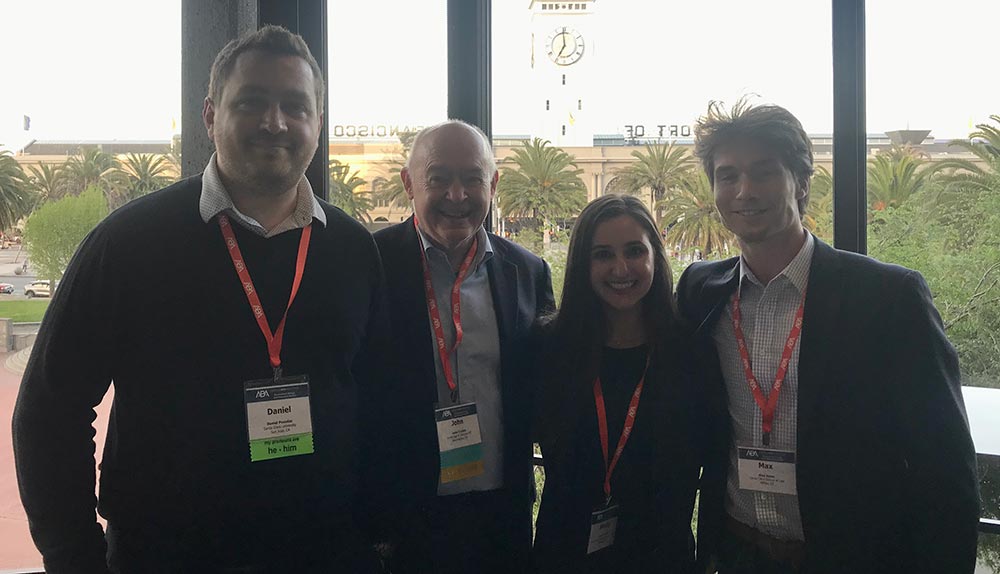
<point x="462" y="302"/>
<point x="233" y="311"/>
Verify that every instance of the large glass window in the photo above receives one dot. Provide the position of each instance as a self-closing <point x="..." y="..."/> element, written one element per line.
<point x="601" y="81"/>
<point x="89" y="113"/>
<point x="388" y="79"/>
<point x="934" y="188"/>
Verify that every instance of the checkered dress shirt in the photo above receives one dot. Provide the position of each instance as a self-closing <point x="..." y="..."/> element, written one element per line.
<point x="215" y="199"/>
<point x="767" y="316"/>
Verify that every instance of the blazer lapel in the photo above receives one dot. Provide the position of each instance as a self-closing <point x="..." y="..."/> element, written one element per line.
<point x="503" y="288"/>
<point x="717" y="289"/>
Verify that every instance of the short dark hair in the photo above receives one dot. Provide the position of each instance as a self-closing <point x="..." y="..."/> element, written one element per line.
<point x="769" y="125"/>
<point x="270" y="39"/>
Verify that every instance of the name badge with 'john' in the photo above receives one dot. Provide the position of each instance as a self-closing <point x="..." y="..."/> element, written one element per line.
<point x="459" y="442"/>
<point x="279" y="421"/>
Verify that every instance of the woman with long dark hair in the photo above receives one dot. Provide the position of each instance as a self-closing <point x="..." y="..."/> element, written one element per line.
<point x="620" y="418"/>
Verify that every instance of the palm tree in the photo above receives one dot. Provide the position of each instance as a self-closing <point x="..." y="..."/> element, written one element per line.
<point x="819" y="211"/>
<point x="660" y="168"/>
<point x="142" y="173"/>
<point x="48" y="181"/>
<point x="390" y="189"/>
<point x="542" y="182"/>
<point x="15" y="191"/>
<point x="895" y="176"/>
<point x="92" y="167"/>
<point x="984" y="143"/>
<point x="691" y="219"/>
<point x="344" y="194"/>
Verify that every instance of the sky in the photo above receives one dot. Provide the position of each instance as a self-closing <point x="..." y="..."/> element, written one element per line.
<point x="110" y="69"/>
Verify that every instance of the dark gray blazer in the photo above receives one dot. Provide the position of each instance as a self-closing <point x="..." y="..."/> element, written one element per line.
<point x="887" y="469"/>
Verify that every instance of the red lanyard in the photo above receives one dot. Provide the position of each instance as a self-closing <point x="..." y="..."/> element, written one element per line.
<point x="273" y="341"/>
<point x="456" y="310"/>
<point x="767" y="405"/>
<point x="602" y="427"/>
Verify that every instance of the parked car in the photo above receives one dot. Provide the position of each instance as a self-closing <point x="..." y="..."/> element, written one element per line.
<point x="6" y="288"/>
<point x="37" y="289"/>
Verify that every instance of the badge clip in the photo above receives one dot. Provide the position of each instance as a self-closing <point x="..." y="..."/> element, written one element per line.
<point x="766" y="438"/>
<point x="277" y="374"/>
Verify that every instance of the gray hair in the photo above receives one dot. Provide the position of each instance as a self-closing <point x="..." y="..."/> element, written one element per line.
<point x="422" y="134"/>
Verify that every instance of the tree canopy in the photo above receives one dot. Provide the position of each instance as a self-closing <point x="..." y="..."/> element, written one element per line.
<point x="659" y="168"/>
<point x="54" y="231"/>
<point x="344" y="191"/>
<point x="540" y="182"/>
<point x="15" y="191"/>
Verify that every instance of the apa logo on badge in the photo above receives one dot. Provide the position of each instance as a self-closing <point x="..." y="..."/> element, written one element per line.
<point x="263" y="394"/>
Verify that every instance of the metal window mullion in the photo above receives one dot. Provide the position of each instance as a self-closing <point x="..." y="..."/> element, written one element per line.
<point x="850" y="213"/>
<point x="308" y="19"/>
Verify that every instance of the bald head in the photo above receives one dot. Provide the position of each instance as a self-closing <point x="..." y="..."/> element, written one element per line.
<point x="451" y="129"/>
<point x="451" y="177"/>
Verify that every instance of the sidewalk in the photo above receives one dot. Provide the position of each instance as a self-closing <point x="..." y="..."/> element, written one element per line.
<point x="8" y="269"/>
<point x="16" y="547"/>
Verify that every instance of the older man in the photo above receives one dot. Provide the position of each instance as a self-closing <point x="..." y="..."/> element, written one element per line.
<point x="850" y="450"/>
<point x="232" y="311"/>
<point x="462" y="302"/>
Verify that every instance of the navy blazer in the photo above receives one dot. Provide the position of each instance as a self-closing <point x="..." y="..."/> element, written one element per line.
<point x="521" y="287"/>
<point x="886" y="471"/>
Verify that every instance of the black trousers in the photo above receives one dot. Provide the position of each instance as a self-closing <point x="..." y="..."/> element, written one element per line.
<point x="481" y="532"/>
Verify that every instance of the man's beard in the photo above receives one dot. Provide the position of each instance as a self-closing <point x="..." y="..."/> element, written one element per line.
<point x="273" y="177"/>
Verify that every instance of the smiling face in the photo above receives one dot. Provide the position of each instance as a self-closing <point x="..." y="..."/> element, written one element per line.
<point x="266" y="126"/>
<point x="451" y="181"/>
<point x="756" y="194"/>
<point x="621" y="264"/>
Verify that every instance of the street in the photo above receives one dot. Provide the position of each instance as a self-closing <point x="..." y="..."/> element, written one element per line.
<point x="10" y="260"/>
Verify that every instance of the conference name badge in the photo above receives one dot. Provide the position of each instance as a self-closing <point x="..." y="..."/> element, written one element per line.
<point x="603" y="524"/>
<point x="460" y="443"/>
<point x="767" y="470"/>
<point x="279" y="421"/>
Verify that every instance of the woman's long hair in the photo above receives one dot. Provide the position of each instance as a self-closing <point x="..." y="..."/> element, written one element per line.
<point x="576" y="333"/>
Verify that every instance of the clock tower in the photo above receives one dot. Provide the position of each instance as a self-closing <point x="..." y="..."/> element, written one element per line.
<point x="563" y="50"/>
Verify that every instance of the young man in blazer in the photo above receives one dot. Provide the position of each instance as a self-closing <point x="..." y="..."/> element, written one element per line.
<point x="849" y="444"/>
<point x="462" y="302"/>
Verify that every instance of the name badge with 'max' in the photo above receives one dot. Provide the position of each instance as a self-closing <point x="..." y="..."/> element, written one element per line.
<point x="767" y="470"/>
<point x="279" y="421"/>
<point x="460" y="443"/>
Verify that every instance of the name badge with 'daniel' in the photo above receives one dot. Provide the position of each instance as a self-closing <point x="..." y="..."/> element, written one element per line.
<point x="767" y="470"/>
<point x="460" y="443"/>
<point x="279" y="421"/>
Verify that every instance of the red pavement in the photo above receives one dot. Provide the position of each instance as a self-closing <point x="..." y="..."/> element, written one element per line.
<point x="16" y="547"/>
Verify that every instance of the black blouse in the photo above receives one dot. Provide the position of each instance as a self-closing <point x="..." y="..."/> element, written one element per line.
<point x="654" y="482"/>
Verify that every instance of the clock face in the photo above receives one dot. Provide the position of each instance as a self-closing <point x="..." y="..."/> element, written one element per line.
<point x="565" y="46"/>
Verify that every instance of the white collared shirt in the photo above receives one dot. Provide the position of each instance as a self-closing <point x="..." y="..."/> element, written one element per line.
<point x="215" y="199"/>
<point x="768" y="312"/>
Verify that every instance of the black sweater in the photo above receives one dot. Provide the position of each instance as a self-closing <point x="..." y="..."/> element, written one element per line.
<point x="152" y="301"/>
